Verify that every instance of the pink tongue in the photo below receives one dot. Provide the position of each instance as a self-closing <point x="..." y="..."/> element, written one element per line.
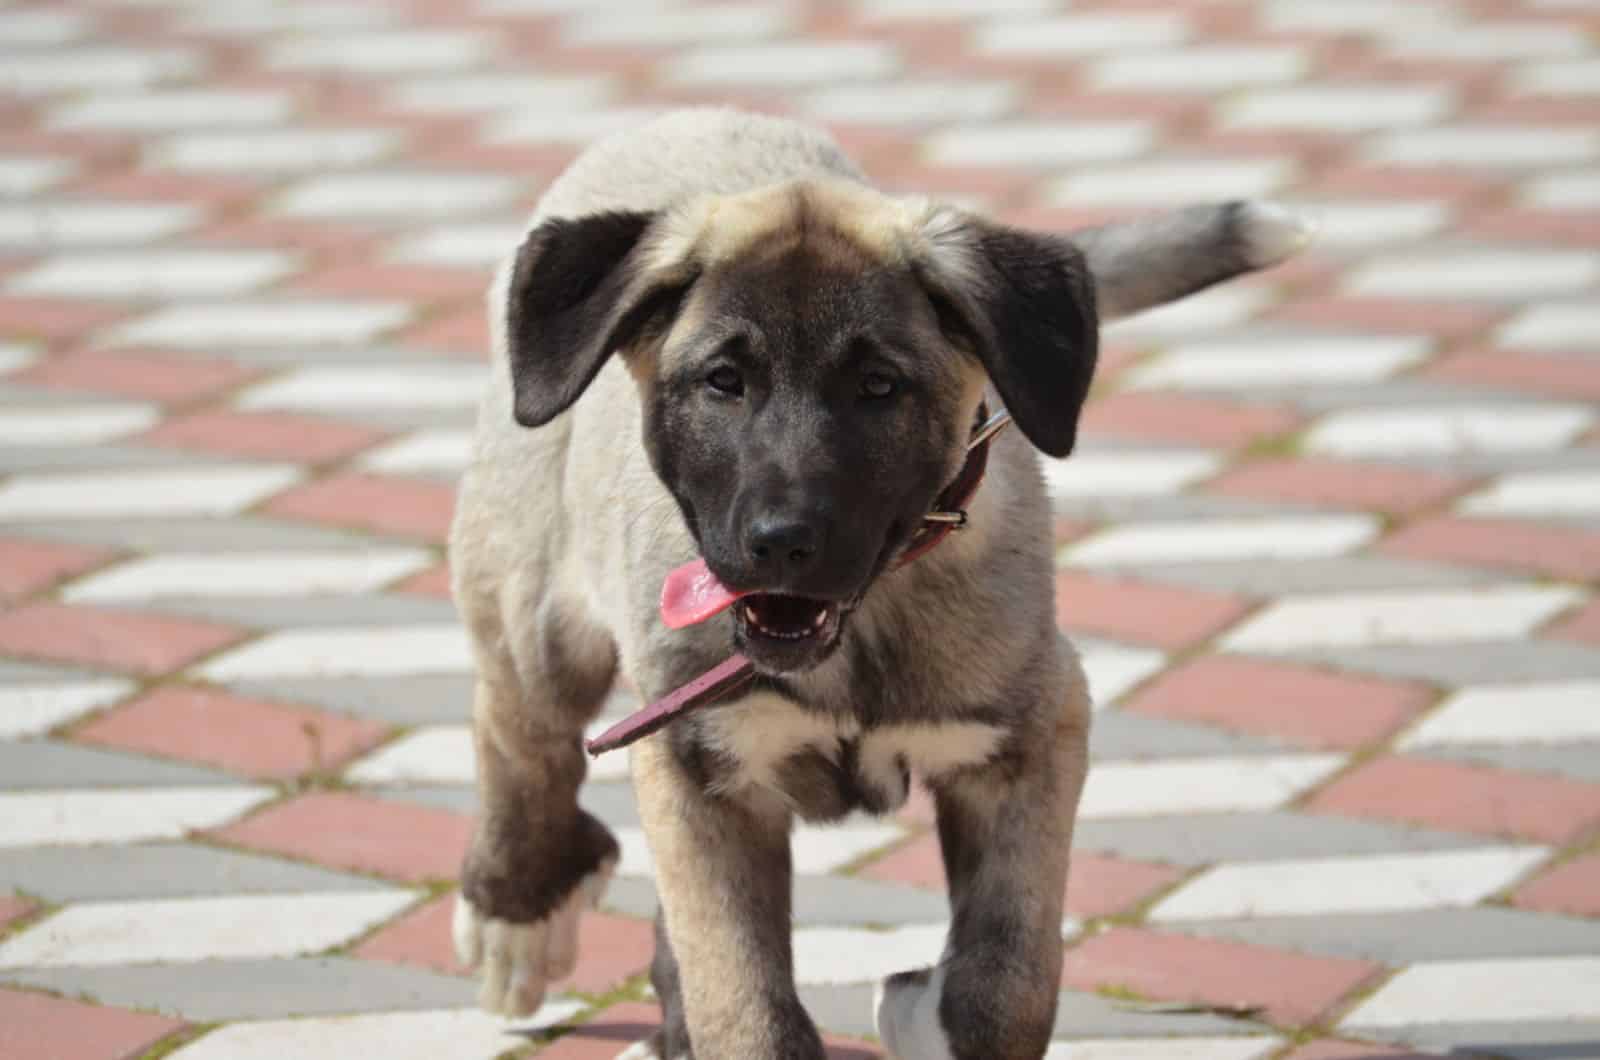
<point x="693" y="594"/>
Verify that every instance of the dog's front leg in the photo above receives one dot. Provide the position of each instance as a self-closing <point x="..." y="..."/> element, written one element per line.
<point x="1005" y="831"/>
<point x="723" y="869"/>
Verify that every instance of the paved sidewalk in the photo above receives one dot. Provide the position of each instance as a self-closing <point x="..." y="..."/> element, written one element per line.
<point x="1330" y="546"/>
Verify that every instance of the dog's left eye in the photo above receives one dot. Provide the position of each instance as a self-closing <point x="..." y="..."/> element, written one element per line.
<point x="877" y="386"/>
<point x="725" y="380"/>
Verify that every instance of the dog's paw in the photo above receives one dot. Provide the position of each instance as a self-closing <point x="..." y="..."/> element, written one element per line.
<point x="1270" y="232"/>
<point x="906" y="1010"/>
<point x="520" y="961"/>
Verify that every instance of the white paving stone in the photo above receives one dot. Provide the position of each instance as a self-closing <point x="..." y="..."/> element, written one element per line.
<point x="1538" y="713"/>
<point x="91" y="68"/>
<point x="464" y="244"/>
<point x="441" y="450"/>
<point x="913" y="102"/>
<point x="257" y="151"/>
<point x="300" y="573"/>
<point x="374" y="386"/>
<point x="1201" y="785"/>
<point x="217" y="490"/>
<point x="384" y="53"/>
<point x="57" y="425"/>
<point x="48" y="226"/>
<point x="171" y="110"/>
<point x="1557" y="326"/>
<point x="1173" y="182"/>
<point x="1449" y="429"/>
<point x="1081" y="34"/>
<point x="1391" y="883"/>
<point x="118" y="815"/>
<point x="891" y="10"/>
<point x="1136" y="473"/>
<point x="432" y="754"/>
<point x="1258" y="537"/>
<point x="1113" y="670"/>
<point x="1569" y="77"/>
<point x="33" y="28"/>
<point x="678" y="27"/>
<point x="784" y="65"/>
<point x="191" y="929"/>
<point x="265" y="322"/>
<point x="480" y="92"/>
<point x="1202" y="68"/>
<point x="461" y="1034"/>
<point x="398" y="194"/>
<point x="829" y="955"/>
<point x="1357" y="16"/>
<point x="1485" y="991"/>
<point x="1359" y="619"/>
<point x="30" y="710"/>
<point x="1289" y="360"/>
<point x="816" y="849"/>
<point x="1576" y="190"/>
<point x="21" y="176"/>
<point x="1488" y="40"/>
<point x="253" y="19"/>
<point x="1355" y="224"/>
<point x="1486" y="146"/>
<point x="1339" y="108"/>
<point x="1164" y="1049"/>
<point x="389" y="651"/>
<point x="1538" y="493"/>
<point x="14" y="356"/>
<point x="571" y="127"/>
<point x="1213" y="310"/>
<point x="1468" y="273"/>
<point x="1039" y="143"/>
<point x="154" y="274"/>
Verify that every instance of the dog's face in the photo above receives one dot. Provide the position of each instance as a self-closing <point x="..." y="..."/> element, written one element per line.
<point x="810" y="359"/>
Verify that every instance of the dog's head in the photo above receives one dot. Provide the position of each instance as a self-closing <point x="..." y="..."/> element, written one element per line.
<point x="810" y="358"/>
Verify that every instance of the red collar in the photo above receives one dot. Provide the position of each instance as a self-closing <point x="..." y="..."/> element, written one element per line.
<point x="949" y="514"/>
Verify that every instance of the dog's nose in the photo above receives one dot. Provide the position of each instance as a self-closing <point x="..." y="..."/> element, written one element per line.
<point x="782" y="546"/>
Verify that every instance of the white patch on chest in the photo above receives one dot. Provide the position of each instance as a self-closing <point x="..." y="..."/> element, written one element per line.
<point x="762" y="731"/>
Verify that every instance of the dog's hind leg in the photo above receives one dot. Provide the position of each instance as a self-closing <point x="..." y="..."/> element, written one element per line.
<point x="1148" y="261"/>
<point x="536" y="861"/>
<point x="671" y="1042"/>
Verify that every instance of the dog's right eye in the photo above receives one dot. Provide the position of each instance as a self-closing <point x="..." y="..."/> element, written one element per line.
<point x="725" y="380"/>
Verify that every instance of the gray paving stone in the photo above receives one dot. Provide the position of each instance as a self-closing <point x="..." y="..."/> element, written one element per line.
<point x="1427" y="935"/>
<point x="841" y="1009"/>
<point x="401" y="418"/>
<point x="457" y="798"/>
<point x="1279" y="577"/>
<point x="1514" y="1041"/>
<point x="1332" y="397"/>
<point x="1578" y="761"/>
<point x="1506" y="461"/>
<point x="50" y="764"/>
<point x="1201" y="839"/>
<point x="13" y="671"/>
<point x="422" y="699"/>
<point x="322" y="356"/>
<point x="1120" y="734"/>
<point x="1085" y="1015"/>
<point x="162" y="870"/>
<point x="1162" y="506"/>
<point x="274" y="612"/>
<point x="1482" y="662"/>
<point x="37" y="398"/>
<point x="838" y="901"/>
<point x="44" y="458"/>
<point x="244" y="533"/>
<point x="265" y="989"/>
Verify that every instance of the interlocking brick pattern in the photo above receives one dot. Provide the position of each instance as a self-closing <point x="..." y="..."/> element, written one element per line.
<point x="1329" y="548"/>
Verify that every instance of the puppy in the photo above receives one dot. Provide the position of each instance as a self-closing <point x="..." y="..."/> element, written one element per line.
<point x="718" y="342"/>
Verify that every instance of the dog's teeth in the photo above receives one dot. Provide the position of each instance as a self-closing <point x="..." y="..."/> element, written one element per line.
<point x="820" y="620"/>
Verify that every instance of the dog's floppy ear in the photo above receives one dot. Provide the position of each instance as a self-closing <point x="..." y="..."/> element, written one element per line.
<point x="1024" y="304"/>
<point x="580" y="289"/>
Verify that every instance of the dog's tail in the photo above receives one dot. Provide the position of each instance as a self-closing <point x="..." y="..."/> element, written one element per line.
<point x="1149" y="261"/>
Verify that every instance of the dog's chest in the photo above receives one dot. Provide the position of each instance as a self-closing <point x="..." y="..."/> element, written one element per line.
<point x="824" y="767"/>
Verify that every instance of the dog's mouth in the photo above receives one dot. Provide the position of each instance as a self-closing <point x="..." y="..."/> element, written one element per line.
<point x="779" y="632"/>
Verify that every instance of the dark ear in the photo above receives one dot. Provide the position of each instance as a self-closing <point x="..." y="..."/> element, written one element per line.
<point x="1024" y="304"/>
<point x="578" y="291"/>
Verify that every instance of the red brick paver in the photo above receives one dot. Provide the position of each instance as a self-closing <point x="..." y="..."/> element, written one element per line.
<point x="29" y="566"/>
<point x="36" y="1027"/>
<point x="1141" y="612"/>
<point x="1340" y="484"/>
<point x="1559" y="551"/>
<point x="380" y="503"/>
<point x="1572" y="888"/>
<point x="114" y="639"/>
